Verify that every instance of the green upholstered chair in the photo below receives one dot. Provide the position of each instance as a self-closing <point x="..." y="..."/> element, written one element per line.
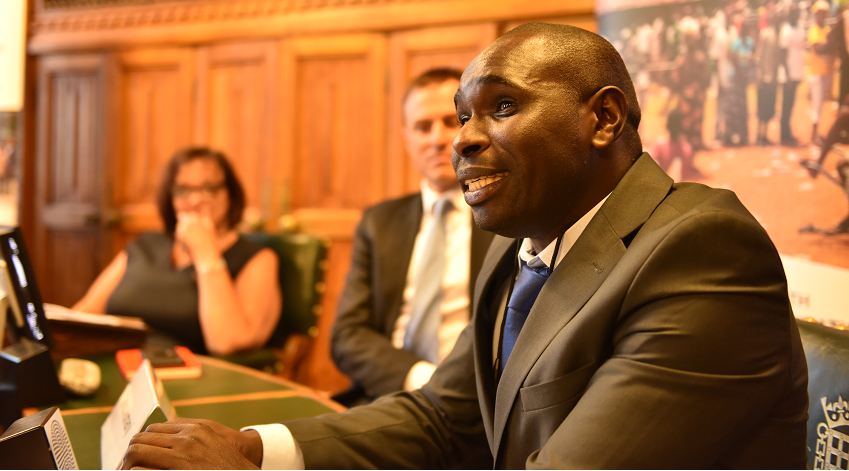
<point x="303" y="260"/>
<point x="827" y="352"/>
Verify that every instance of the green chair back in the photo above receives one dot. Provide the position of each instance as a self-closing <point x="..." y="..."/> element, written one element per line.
<point x="827" y="352"/>
<point x="303" y="259"/>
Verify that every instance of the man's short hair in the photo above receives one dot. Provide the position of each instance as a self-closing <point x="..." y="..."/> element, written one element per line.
<point x="430" y="77"/>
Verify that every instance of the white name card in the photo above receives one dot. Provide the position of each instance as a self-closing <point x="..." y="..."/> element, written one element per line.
<point x="142" y="403"/>
<point x="817" y="290"/>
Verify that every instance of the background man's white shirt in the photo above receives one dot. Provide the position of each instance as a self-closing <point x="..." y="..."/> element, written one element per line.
<point x="455" y="282"/>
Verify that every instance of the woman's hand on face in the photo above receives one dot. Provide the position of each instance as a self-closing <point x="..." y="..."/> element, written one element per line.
<point x="196" y="231"/>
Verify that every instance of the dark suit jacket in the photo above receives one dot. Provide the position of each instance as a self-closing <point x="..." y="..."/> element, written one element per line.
<point x="371" y="301"/>
<point x="663" y="339"/>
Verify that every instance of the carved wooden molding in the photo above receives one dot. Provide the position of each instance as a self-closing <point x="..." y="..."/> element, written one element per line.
<point x="187" y="22"/>
<point x="82" y="15"/>
<point x="58" y="4"/>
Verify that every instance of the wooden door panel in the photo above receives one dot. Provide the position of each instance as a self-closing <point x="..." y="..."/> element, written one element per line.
<point x="73" y="138"/>
<point x="333" y="142"/>
<point x="68" y="250"/>
<point x="72" y="268"/>
<point x="237" y="114"/>
<point x="334" y="161"/>
<point x="154" y="89"/>
<point x="411" y="53"/>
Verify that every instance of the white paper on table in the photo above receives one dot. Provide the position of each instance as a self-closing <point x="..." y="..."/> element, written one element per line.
<point x="142" y="403"/>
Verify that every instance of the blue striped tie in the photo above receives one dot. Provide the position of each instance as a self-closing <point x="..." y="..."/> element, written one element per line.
<point x="525" y="292"/>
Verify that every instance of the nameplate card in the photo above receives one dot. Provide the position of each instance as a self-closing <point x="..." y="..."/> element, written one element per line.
<point x="142" y="403"/>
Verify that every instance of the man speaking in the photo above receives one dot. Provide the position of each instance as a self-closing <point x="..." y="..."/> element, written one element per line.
<point x="620" y="321"/>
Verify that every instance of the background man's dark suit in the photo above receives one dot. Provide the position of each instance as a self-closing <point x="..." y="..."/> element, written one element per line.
<point x="664" y="338"/>
<point x="371" y="301"/>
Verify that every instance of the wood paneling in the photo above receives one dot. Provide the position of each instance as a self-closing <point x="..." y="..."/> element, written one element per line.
<point x="154" y="116"/>
<point x="411" y="53"/>
<point x="303" y="96"/>
<point x="333" y="159"/>
<point x="190" y="22"/>
<point x="65" y="286"/>
<point x="69" y="190"/>
<point x="237" y="111"/>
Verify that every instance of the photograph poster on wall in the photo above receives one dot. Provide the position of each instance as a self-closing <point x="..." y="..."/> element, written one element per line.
<point x="751" y="96"/>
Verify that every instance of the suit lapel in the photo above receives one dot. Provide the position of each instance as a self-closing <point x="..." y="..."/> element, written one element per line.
<point x="477" y="252"/>
<point x="578" y="277"/>
<point x="496" y="268"/>
<point x="400" y="244"/>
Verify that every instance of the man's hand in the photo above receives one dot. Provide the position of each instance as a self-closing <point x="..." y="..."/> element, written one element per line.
<point x="193" y="444"/>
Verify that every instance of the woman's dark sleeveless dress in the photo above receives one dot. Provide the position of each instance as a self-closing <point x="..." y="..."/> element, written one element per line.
<point x="167" y="299"/>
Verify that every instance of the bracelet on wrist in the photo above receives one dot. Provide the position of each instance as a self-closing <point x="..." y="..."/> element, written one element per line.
<point x="206" y="266"/>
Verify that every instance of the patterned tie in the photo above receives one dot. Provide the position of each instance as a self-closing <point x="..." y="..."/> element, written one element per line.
<point x="422" y="337"/>
<point x="525" y="291"/>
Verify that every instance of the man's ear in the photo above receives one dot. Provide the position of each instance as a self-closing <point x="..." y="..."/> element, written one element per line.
<point x="611" y="112"/>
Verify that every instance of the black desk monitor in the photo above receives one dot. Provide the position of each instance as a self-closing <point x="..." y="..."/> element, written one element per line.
<point x="18" y="281"/>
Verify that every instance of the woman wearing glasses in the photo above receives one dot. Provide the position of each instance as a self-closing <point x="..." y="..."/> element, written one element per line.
<point x="200" y="282"/>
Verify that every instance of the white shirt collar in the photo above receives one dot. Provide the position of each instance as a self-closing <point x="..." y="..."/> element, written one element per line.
<point x="569" y="237"/>
<point x="431" y="196"/>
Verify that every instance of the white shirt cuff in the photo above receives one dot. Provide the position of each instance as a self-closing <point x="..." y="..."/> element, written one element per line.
<point x="418" y="375"/>
<point x="279" y="448"/>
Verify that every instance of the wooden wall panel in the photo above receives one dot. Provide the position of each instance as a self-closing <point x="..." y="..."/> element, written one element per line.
<point x="69" y="190"/>
<point x="237" y="113"/>
<point x="333" y="131"/>
<point x="411" y="53"/>
<point x="74" y="138"/>
<point x="154" y="120"/>
<point x="65" y="278"/>
<point x="332" y="127"/>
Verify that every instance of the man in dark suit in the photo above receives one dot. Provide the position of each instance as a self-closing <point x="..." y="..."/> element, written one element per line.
<point x="622" y="321"/>
<point x="380" y="307"/>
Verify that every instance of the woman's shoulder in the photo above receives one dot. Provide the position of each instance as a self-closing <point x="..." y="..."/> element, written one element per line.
<point x="242" y="251"/>
<point x="150" y="241"/>
<point x="246" y="246"/>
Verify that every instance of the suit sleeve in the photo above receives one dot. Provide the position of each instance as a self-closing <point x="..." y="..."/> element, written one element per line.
<point x="702" y="352"/>
<point x="360" y="348"/>
<point x="436" y="427"/>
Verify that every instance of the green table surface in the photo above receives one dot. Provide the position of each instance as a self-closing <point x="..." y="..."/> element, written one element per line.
<point x="233" y="395"/>
<point x="217" y="379"/>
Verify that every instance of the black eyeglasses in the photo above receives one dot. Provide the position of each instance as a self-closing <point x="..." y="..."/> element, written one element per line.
<point x="205" y="191"/>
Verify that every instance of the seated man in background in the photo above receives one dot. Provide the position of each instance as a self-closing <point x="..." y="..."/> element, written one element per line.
<point x="415" y="260"/>
<point x="621" y="320"/>
<point x="199" y="283"/>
